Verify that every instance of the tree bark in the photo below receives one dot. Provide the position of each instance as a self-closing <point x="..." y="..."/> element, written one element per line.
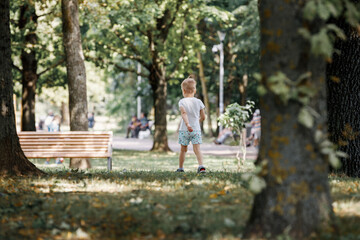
<point x="159" y="87"/>
<point x="242" y="89"/>
<point x="76" y="73"/>
<point x="29" y="62"/>
<point x="296" y="199"/>
<point x="64" y="113"/>
<point x="12" y="158"/>
<point x="205" y="94"/>
<point x="343" y="84"/>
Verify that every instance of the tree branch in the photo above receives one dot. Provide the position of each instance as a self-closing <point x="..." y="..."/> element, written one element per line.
<point x="124" y="69"/>
<point x="131" y="57"/>
<point x="45" y="14"/>
<point x="54" y="65"/>
<point x="16" y="67"/>
<point x="166" y="30"/>
<point x="132" y="46"/>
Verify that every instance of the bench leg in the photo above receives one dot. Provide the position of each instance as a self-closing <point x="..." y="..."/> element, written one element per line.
<point x="109" y="166"/>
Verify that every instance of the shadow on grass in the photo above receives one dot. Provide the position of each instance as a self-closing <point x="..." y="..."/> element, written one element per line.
<point x="118" y="205"/>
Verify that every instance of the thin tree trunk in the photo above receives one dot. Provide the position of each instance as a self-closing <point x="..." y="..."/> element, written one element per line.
<point x="29" y="62"/>
<point x="64" y="113"/>
<point x="242" y="88"/>
<point x="159" y="86"/>
<point x="76" y="74"/>
<point x="12" y="158"/>
<point x="296" y="199"/>
<point x="228" y="91"/>
<point x="343" y="82"/>
<point x="205" y="94"/>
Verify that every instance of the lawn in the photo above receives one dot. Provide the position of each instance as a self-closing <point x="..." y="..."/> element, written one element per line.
<point x="143" y="198"/>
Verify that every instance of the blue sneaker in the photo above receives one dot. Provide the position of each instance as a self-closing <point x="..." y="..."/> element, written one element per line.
<point x="180" y="170"/>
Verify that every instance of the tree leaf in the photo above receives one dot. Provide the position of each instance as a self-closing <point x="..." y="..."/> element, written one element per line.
<point x="305" y="118"/>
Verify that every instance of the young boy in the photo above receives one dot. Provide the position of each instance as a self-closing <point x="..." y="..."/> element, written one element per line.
<point x="192" y="113"/>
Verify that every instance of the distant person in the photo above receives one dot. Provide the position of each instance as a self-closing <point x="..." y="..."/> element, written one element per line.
<point x="256" y="128"/>
<point x="91" y="120"/>
<point x="41" y="124"/>
<point x="223" y="135"/>
<point x="144" y="121"/>
<point x="192" y="113"/>
<point x="48" y="120"/>
<point x="133" y="127"/>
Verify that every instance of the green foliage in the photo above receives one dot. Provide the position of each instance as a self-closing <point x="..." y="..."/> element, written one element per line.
<point x="236" y="116"/>
<point x="49" y="47"/>
<point x="329" y="149"/>
<point x="322" y="42"/>
<point x="286" y="89"/>
<point x="247" y="38"/>
<point x="131" y="31"/>
<point x="241" y="48"/>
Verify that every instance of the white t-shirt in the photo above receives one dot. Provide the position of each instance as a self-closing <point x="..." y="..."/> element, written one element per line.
<point x="192" y="107"/>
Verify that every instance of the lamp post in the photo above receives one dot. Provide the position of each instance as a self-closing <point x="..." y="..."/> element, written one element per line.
<point x="220" y="48"/>
<point x="138" y="98"/>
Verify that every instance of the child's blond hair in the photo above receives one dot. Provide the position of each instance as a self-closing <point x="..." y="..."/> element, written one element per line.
<point x="188" y="85"/>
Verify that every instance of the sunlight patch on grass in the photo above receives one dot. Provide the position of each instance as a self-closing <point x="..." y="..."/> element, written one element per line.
<point x="149" y="161"/>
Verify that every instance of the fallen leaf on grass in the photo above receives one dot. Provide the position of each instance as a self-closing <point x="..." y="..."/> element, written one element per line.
<point x="229" y="222"/>
<point x="81" y="234"/>
<point x="212" y="196"/>
<point x="64" y="225"/>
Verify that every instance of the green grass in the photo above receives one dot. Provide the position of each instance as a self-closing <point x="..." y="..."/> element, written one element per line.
<point x="145" y="161"/>
<point x="148" y="200"/>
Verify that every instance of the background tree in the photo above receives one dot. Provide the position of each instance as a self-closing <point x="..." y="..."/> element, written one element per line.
<point x="160" y="35"/>
<point x="37" y="50"/>
<point x="241" y="50"/>
<point x="296" y="199"/>
<point x="29" y="64"/>
<point x="12" y="158"/>
<point x="343" y="84"/>
<point x="76" y="74"/>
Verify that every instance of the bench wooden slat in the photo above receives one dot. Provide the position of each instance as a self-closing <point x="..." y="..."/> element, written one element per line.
<point x="79" y="147"/>
<point x="66" y="136"/>
<point x="41" y="140"/>
<point x="54" y="143"/>
<point x="78" y="144"/>
<point x="67" y="155"/>
<point x="64" y="133"/>
<point x="65" y="150"/>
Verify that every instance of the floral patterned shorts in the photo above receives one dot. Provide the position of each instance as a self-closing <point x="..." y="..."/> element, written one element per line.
<point x="185" y="137"/>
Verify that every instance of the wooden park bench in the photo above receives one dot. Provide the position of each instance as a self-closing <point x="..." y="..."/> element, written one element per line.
<point x="75" y="144"/>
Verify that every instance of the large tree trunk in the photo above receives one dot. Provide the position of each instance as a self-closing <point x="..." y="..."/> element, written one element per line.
<point x="76" y="74"/>
<point x="159" y="87"/>
<point x="28" y="18"/>
<point x="12" y="158"/>
<point x="205" y="94"/>
<point x="343" y="82"/>
<point x="296" y="198"/>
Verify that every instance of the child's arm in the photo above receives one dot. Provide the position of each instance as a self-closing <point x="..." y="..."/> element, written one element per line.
<point x="202" y="115"/>
<point x="185" y="118"/>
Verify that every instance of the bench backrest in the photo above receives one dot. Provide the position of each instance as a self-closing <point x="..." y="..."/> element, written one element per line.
<point x="76" y="144"/>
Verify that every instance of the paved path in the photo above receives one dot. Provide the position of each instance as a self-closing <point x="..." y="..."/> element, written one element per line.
<point x="206" y="148"/>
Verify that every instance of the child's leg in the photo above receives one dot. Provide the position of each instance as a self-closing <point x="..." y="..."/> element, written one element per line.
<point x="198" y="153"/>
<point x="182" y="154"/>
